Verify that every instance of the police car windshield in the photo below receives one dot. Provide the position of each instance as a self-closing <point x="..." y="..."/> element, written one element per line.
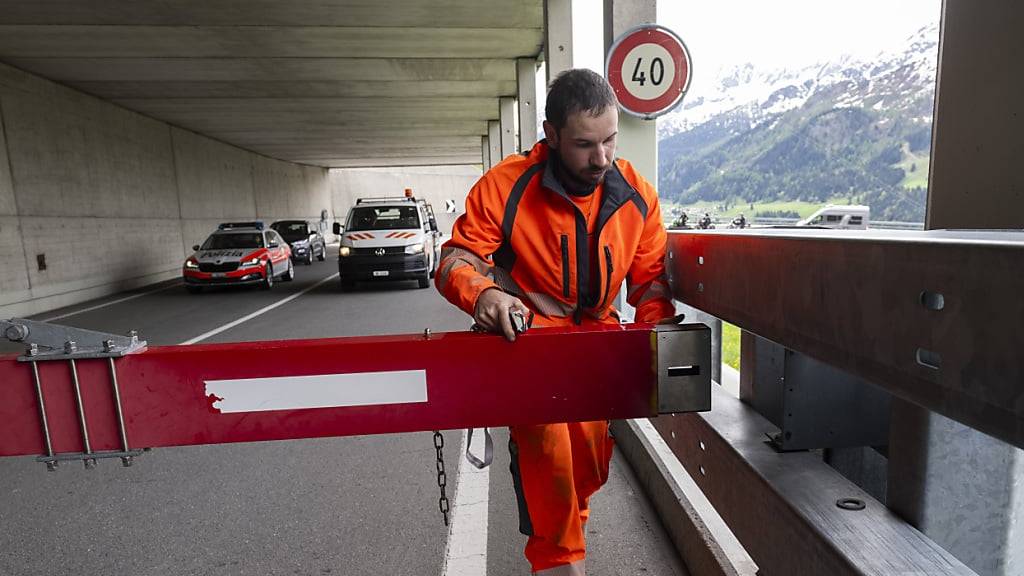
<point x="293" y="232"/>
<point x="383" y="218"/>
<point x="233" y="240"/>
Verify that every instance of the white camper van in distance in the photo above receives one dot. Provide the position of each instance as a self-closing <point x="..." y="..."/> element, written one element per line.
<point x="833" y="216"/>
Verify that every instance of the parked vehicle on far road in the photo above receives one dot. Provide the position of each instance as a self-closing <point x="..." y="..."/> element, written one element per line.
<point x="238" y="253"/>
<point x="304" y="238"/>
<point x="833" y="216"/>
<point x="388" y="239"/>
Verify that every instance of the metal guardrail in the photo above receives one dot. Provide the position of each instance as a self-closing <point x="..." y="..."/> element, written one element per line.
<point x="928" y="316"/>
<point x="931" y="316"/>
<point x="792" y="512"/>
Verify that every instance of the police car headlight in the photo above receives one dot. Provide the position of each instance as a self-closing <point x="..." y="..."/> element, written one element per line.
<point x="344" y="251"/>
<point x="191" y="264"/>
<point x="251" y="262"/>
<point x="414" y="248"/>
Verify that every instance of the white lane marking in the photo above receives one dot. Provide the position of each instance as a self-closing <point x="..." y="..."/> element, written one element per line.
<point x="259" y="312"/>
<point x="111" y="303"/>
<point x="318" y="391"/>
<point x="466" y="550"/>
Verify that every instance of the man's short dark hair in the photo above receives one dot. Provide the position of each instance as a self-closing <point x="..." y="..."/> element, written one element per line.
<point x="577" y="90"/>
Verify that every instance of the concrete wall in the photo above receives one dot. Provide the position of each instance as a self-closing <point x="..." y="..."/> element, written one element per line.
<point x="434" y="184"/>
<point x="113" y="199"/>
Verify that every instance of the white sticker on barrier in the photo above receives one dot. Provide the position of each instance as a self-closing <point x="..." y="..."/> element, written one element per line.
<point x="320" y="391"/>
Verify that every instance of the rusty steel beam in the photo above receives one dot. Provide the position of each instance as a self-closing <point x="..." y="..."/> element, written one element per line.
<point x="933" y="317"/>
<point x="783" y="506"/>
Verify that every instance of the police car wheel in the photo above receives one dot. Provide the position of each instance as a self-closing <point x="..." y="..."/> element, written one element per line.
<point x="268" y="277"/>
<point x="289" y="275"/>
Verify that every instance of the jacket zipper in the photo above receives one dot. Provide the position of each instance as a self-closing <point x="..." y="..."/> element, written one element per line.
<point x="565" y="265"/>
<point x="582" y="273"/>
<point x="608" y="274"/>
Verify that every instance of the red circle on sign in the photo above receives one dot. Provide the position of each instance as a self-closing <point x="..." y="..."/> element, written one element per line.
<point x="649" y="34"/>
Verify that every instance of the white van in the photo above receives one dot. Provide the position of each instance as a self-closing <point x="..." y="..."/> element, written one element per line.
<point x="388" y="239"/>
<point x="833" y="216"/>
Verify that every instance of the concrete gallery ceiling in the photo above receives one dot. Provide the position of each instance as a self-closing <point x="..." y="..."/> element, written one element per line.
<point x="335" y="83"/>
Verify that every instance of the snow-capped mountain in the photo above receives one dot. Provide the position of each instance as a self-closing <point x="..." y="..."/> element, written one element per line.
<point x="759" y="93"/>
<point x="854" y="129"/>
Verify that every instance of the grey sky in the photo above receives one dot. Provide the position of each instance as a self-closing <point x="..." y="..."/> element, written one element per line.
<point x="779" y="33"/>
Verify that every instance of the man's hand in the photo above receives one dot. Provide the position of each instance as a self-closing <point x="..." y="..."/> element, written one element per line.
<point x="492" y="309"/>
<point x="677" y="319"/>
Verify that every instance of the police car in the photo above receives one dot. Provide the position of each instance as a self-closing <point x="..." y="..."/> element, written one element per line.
<point x="239" y="253"/>
<point x="388" y="239"/>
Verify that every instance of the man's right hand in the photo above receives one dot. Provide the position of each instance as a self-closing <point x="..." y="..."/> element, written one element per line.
<point x="492" y="310"/>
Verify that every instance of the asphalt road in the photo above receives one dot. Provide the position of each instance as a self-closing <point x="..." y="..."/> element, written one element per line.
<point x="359" y="505"/>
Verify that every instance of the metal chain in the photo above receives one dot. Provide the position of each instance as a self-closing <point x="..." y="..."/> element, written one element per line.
<point x="442" y="478"/>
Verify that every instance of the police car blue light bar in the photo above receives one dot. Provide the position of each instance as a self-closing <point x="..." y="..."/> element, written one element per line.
<point x="258" y="224"/>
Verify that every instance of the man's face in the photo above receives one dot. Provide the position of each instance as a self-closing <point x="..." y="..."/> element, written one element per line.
<point x="586" y="144"/>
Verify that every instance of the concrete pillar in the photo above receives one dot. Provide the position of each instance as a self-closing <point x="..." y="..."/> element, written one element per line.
<point x="526" y="76"/>
<point x="976" y="143"/>
<point x="507" y="120"/>
<point x="494" y="140"/>
<point x="485" y="153"/>
<point x="558" y="43"/>
<point x="961" y="488"/>
<point x="638" y="139"/>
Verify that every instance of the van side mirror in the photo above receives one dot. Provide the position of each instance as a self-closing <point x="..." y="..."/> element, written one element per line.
<point x="338" y="228"/>
<point x="195" y="248"/>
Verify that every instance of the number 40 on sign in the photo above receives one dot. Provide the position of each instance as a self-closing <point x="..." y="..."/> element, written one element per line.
<point x="649" y="69"/>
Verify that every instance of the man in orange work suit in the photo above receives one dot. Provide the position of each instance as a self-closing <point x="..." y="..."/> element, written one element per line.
<point x="556" y="231"/>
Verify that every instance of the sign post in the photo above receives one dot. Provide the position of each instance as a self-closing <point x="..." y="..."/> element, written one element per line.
<point x="649" y="68"/>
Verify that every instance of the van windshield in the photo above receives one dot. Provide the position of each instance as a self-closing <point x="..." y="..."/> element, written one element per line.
<point x="383" y="218"/>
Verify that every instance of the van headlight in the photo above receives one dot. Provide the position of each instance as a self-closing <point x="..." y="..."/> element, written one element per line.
<point x="344" y="251"/>
<point x="414" y="248"/>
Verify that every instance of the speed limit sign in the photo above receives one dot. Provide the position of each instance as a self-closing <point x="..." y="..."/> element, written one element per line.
<point x="649" y="69"/>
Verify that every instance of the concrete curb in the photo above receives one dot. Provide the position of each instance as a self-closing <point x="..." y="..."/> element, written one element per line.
<point x="704" y="542"/>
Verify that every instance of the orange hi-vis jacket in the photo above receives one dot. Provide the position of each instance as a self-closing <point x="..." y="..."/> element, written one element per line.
<point x="524" y="234"/>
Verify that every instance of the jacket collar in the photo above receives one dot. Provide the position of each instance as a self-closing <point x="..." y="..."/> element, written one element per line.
<point x="616" y="189"/>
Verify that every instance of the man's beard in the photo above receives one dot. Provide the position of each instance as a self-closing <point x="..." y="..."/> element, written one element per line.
<point x="578" y="183"/>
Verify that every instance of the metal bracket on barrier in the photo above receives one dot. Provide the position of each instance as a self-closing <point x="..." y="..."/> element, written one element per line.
<point x="684" y="367"/>
<point x="45" y="342"/>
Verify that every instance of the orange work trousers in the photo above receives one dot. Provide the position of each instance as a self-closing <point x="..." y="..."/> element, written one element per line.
<point x="555" y="470"/>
